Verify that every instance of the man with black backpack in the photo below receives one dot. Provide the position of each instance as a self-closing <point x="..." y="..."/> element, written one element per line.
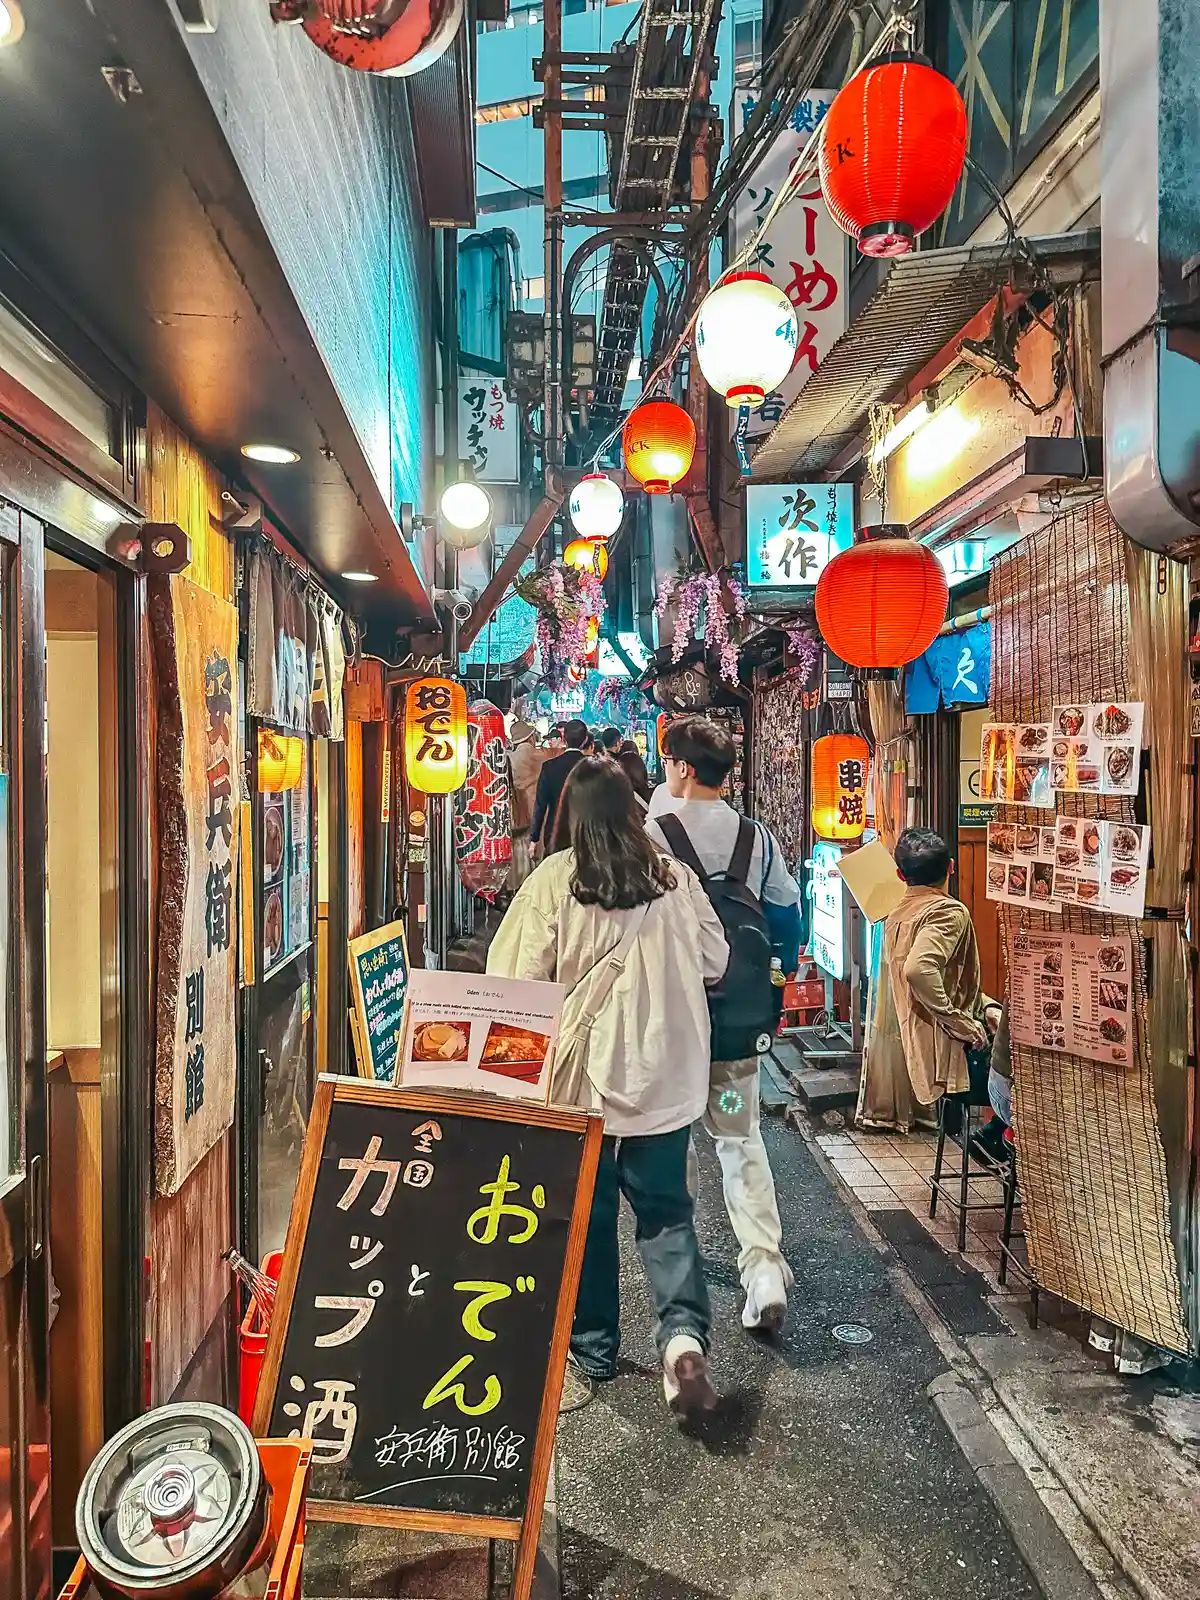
<point x="742" y="868"/>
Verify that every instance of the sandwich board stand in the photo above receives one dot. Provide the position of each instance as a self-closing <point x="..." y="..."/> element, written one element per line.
<point x="423" y="1317"/>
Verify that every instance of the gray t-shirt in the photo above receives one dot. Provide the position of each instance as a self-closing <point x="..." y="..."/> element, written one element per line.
<point x="712" y="827"/>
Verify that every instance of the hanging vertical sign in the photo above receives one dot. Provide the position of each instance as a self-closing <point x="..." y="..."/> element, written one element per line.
<point x="199" y="761"/>
<point x="483" y="813"/>
<point x="803" y="251"/>
<point x="489" y="430"/>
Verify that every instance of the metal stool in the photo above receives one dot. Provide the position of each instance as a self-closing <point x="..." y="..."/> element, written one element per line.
<point x="961" y="1178"/>
<point x="1008" y="1256"/>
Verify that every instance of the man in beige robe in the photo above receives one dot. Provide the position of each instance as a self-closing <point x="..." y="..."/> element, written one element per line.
<point x="933" y="962"/>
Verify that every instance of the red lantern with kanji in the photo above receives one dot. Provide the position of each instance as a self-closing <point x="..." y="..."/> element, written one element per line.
<point x="881" y="603"/>
<point x="892" y="151"/>
<point x="840" y="764"/>
<point x="659" y="441"/>
<point x="482" y="813"/>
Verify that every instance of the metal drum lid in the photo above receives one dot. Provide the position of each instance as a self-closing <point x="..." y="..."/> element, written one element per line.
<point x="176" y="1502"/>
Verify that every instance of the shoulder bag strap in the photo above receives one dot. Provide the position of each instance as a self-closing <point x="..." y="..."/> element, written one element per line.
<point x="609" y="967"/>
<point x="743" y="852"/>
<point x="681" y="847"/>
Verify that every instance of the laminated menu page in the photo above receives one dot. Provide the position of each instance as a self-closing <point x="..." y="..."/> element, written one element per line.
<point x="1072" y="993"/>
<point x="1020" y="863"/>
<point x="1101" y="865"/>
<point x="1097" y="748"/>
<point x="1014" y="763"/>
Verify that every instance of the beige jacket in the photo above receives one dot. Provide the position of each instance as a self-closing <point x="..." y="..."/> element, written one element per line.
<point x="933" y="962"/>
<point x="525" y="762"/>
<point x="648" y="1047"/>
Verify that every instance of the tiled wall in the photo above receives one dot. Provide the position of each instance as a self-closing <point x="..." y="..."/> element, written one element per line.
<point x="328" y="156"/>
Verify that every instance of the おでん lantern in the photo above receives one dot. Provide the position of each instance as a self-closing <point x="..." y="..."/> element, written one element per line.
<point x="840" y="763"/>
<point x="482" y="816"/>
<point x="435" y="735"/>
<point x="596" y="506"/>
<point x="280" y="761"/>
<point x="892" y="151"/>
<point x="746" y="338"/>
<point x="881" y="603"/>
<point x="588" y="555"/>
<point x="659" y="441"/>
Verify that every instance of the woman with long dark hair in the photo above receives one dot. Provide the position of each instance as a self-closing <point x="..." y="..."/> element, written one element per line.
<point x="633" y="938"/>
<point x="634" y="768"/>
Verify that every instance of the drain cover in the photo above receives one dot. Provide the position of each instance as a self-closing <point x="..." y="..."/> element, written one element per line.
<point x="853" y="1333"/>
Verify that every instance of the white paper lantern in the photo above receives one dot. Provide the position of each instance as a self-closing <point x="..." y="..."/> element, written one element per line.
<point x="746" y="338"/>
<point x="597" y="506"/>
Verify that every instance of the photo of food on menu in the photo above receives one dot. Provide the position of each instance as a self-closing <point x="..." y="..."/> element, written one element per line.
<point x="481" y="1033"/>
<point x="1020" y="863"/>
<point x="1101" y="865"/>
<point x="1097" y="749"/>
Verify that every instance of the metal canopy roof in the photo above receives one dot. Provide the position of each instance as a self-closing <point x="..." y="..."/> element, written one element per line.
<point x="923" y="302"/>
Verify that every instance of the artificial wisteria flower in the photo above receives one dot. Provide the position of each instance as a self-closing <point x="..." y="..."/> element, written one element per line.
<point x="804" y="648"/>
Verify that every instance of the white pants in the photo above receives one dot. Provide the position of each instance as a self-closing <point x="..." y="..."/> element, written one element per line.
<point x="732" y="1119"/>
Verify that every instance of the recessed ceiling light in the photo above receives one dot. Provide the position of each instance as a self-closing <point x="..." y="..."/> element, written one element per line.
<point x="360" y="577"/>
<point x="277" y="455"/>
<point x="12" y="23"/>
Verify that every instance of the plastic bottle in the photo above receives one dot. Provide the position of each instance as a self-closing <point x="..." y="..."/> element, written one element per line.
<point x="777" y="977"/>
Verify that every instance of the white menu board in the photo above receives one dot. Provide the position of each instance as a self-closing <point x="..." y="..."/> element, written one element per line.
<point x="1020" y="863"/>
<point x="1101" y="865"/>
<point x="1073" y="993"/>
<point x="1097" y="749"/>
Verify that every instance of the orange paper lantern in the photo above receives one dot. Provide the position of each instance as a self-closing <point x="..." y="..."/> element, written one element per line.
<point x="840" y="764"/>
<point x="892" y="151"/>
<point x="588" y="555"/>
<point x="881" y="603"/>
<point x="436" y="746"/>
<point x="659" y="441"/>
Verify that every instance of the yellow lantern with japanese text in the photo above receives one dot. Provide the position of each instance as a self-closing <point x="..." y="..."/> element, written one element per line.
<point x="280" y="761"/>
<point x="436" y="744"/>
<point x="840" y="764"/>
<point x="588" y="555"/>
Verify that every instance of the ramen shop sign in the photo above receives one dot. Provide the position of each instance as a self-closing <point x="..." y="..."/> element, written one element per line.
<point x="436" y="747"/>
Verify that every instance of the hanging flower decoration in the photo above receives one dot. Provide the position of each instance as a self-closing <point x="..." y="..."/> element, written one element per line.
<point x="804" y="648"/>
<point x="723" y="603"/>
<point x="567" y="601"/>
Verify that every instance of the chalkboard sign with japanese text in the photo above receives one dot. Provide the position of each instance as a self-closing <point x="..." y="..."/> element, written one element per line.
<point x="423" y="1318"/>
<point x="379" y="984"/>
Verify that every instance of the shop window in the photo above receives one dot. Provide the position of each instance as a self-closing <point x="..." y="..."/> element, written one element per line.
<point x="287" y="897"/>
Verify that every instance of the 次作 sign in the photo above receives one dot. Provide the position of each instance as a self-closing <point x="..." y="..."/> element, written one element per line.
<point x="199" y="759"/>
<point x="793" y="531"/>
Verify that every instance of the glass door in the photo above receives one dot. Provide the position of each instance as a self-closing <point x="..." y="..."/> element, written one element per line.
<point x="25" y="1529"/>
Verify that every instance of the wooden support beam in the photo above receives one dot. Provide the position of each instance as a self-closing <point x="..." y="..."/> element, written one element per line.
<point x="522" y="548"/>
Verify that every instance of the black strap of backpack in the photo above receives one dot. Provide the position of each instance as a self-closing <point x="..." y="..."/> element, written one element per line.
<point x="743" y="852"/>
<point x="681" y="847"/>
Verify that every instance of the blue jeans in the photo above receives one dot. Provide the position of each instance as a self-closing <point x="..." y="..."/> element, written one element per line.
<point x="1000" y="1094"/>
<point x="651" y="1173"/>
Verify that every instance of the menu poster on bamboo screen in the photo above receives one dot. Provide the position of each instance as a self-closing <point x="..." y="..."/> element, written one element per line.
<point x="1073" y="993"/>
<point x="423" y="1317"/>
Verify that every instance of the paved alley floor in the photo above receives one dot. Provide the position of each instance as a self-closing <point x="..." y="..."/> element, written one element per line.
<point x="829" y="1474"/>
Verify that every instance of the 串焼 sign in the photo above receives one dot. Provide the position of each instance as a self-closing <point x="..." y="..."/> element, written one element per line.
<point x="198" y="770"/>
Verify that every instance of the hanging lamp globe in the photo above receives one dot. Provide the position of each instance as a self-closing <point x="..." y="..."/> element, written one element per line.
<point x="596" y="506"/>
<point x="892" y="152"/>
<point x="588" y="555"/>
<point x="746" y="336"/>
<point x="659" y="441"/>
<point x="881" y="603"/>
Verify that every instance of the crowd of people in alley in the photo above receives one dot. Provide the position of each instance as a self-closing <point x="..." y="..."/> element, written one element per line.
<point x="667" y="915"/>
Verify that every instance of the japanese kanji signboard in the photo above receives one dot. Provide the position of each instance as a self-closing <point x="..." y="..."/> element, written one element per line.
<point x="489" y="430"/>
<point x="423" y="1317"/>
<point x="378" y="987"/>
<point x="199" y="759"/>
<point x="803" y="251"/>
<point x="793" y="531"/>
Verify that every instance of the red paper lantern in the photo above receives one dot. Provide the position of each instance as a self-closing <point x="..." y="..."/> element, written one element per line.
<point x="881" y="603"/>
<point x="659" y="441"/>
<point x="840" y="763"/>
<point x="482" y="819"/>
<point x="393" y="38"/>
<point x="892" y="151"/>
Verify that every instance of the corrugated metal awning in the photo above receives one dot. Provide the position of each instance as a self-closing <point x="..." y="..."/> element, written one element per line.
<point x="926" y="298"/>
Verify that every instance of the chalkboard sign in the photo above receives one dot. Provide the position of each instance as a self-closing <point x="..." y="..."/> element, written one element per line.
<point x="379" y="982"/>
<point x="423" y="1317"/>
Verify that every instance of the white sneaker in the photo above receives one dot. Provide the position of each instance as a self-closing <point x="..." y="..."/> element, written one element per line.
<point x="766" y="1300"/>
<point x="686" y="1382"/>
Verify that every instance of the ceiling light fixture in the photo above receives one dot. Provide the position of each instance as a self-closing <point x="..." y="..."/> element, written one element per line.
<point x="12" y="22"/>
<point x="360" y="577"/>
<point x="275" y="455"/>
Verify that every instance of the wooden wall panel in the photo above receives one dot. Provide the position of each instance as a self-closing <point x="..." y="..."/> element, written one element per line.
<point x="189" y="1283"/>
<point x="985" y="913"/>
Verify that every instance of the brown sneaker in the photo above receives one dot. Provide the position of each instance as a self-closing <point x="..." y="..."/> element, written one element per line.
<point x="686" y="1380"/>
